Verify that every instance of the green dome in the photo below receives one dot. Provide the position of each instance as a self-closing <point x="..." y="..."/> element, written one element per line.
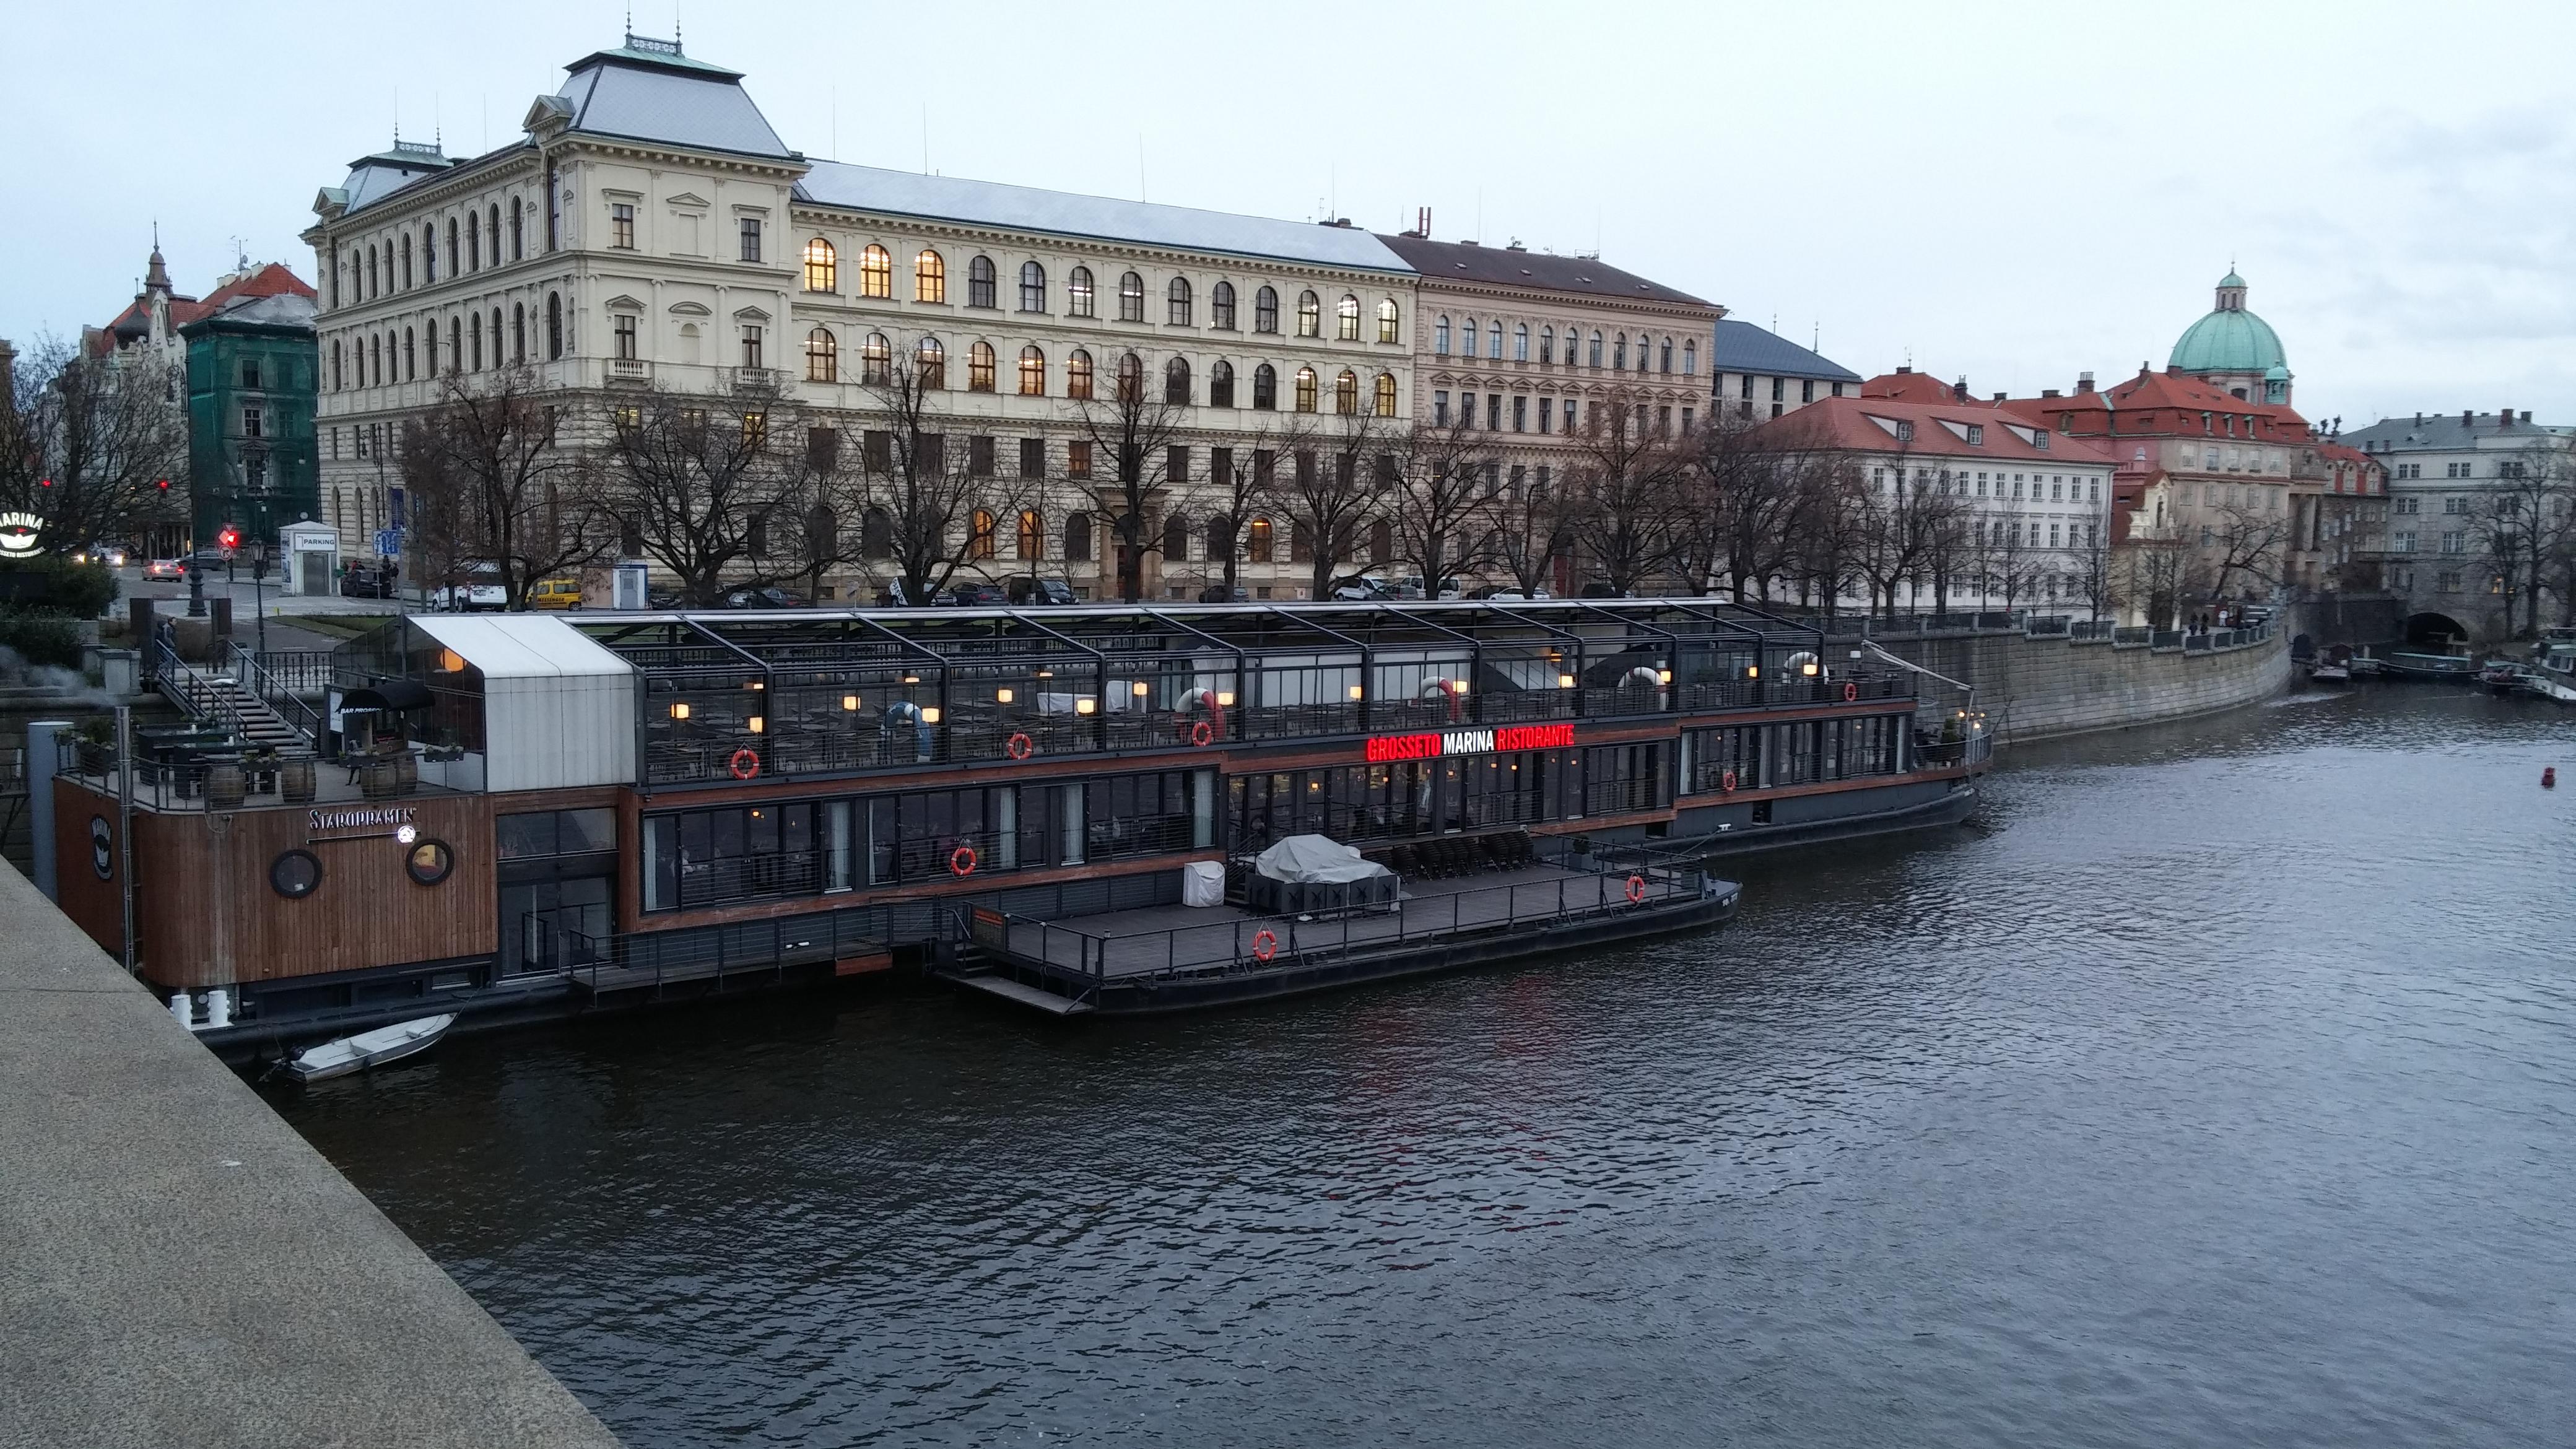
<point x="2228" y="340"/>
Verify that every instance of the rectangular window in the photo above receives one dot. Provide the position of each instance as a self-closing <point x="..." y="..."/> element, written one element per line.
<point x="1032" y="457"/>
<point x="251" y="422"/>
<point x="1440" y="407"/>
<point x="250" y="374"/>
<point x="1807" y="394"/>
<point x="1520" y="414"/>
<point x="751" y="344"/>
<point x="876" y="450"/>
<point x="1494" y="411"/>
<point x="979" y="457"/>
<point x="621" y="225"/>
<point x="1177" y="463"/>
<point x="1077" y="458"/>
<point x="625" y="330"/>
<point x="751" y="241"/>
<point x="1779" y="388"/>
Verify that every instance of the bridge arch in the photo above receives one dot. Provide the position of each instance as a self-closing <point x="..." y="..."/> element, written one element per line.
<point x="2435" y="629"/>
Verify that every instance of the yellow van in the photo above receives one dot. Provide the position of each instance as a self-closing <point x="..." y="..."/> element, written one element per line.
<point x="555" y="594"/>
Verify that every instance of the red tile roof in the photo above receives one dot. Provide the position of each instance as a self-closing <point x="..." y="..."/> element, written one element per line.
<point x="273" y="279"/>
<point x="2167" y="391"/>
<point x="1907" y="385"/>
<point x="1855" y="424"/>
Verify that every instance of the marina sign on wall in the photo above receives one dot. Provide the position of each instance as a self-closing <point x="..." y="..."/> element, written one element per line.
<point x="362" y="823"/>
<point x="1441" y="743"/>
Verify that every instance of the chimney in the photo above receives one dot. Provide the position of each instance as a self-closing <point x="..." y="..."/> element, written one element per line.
<point x="1999" y="397"/>
<point x="1959" y="390"/>
<point x="2526" y="417"/>
<point x="2419" y="420"/>
<point x="1903" y="370"/>
<point x="2468" y="417"/>
<point x="2504" y="417"/>
<point x="1422" y="222"/>
<point x="2083" y="382"/>
<point x="2048" y="392"/>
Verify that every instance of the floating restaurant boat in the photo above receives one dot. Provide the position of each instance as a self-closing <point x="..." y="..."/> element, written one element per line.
<point x="522" y="816"/>
<point x="2432" y="668"/>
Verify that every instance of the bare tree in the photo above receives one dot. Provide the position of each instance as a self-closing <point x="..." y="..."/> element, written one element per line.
<point x="1241" y="477"/>
<point x="1900" y="525"/>
<point x="1133" y="433"/>
<point x="1533" y="534"/>
<point x="2247" y="542"/>
<point x="491" y="487"/>
<point x="85" y="445"/>
<point x="919" y="494"/>
<point x="1631" y="486"/>
<point x="1328" y="491"/>
<point x="2009" y="559"/>
<point x="733" y="491"/>
<point x="1442" y="486"/>
<point x="2090" y="556"/>
<point x="1753" y="497"/>
<point x="2522" y="520"/>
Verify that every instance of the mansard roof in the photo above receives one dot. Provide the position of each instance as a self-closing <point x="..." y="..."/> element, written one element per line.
<point x="641" y="91"/>
<point x="1743" y="347"/>
<point x="1440" y="261"/>
<point x="1098" y="218"/>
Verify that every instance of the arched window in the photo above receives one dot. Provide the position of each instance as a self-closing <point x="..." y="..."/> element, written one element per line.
<point x="406" y="261"/>
<point x="554" y="328"/>
<point x="979" y="367"/>
<point x="876" y="272"/>
<point x="1032" y="287"/>
<point x="1619" y="354"/>
<point x="1386" y="394"/>
<point x="1131" y="378"/>
<point x="1265" y="310"/>
<point x="455" y="347"/>
<point x="428" y="254"/>
<point x="1467" y="336"/>
<point x="979" y="534"/>
<point x="876" y="360"/>
<point x="1220" y="537"/>
<point x="492" y="231"/>
<point x="474" y="337"/>
<point x="1131" y="298"/>
<point x="1305" y="389"/>
<point x="409" y="356"/>
<point x="1546" y="345"/>
<point x="1176" y="537"/>
<point x="1665" y="356"/>
<point x="1440" y="336"/>
<point x="518" y="234"/>
<point x="518" y="334"/>
<point x="876" y="534"/>
<point x="1346" y="393"/>
<point x="1077" y="293"/>
<point x="822" y="356"/>
<point x="1265" y="387"/>
<point x="1178" y="311"/>
<point x="1690" y="359"/>
<point x="1077" y="537"/>
<point x="1176" y="382"/>
<point x="1386" y="319"/>
<point x="1596" y="349"/>
<point x="372" y="288"/>
<point x="1032" y="535"/>
<point x="931" y="360"/>
<point x="1494" y="340"/>
<point x="822" y="266"/>
<point x="981" y="288"/>
<point x="1520" y="342"/>
<point x="1346" y="318"/>
<point x="473" y="245"/>
<point x="1221" y="306"/>
<point x="339" y="376"/>
<point x="1220" y="384"/>
<point x="1032" y="372"/>
<point x="1256" y="548"/>
<point x="1077" y="375"/>
<point x="929" y="277"/>
<point x="1310" y="315"/>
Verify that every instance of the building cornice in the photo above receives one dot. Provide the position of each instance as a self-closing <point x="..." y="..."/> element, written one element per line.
<point x="1148" y="253"/>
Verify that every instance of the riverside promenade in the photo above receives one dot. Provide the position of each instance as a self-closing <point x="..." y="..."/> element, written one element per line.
<point x="178" y="1267"/>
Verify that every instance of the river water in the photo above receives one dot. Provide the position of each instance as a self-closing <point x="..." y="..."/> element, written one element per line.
<point x="2219" y="1093"/>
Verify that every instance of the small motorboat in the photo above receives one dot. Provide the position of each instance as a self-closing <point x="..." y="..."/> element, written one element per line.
<point x="367" y="1049"/>
<point x="2503" y="676"/>
<point x="2332" y="667"/>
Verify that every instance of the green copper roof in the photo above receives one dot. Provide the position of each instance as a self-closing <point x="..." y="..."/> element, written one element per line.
<point x="2236" y="341"/>
<point x="2231" y="279"/>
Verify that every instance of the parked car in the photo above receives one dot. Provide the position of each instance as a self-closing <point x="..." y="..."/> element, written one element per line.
<point x="660" y="598"/>
<point x="555" y="594"/>
<point x="1220" y="594"/>
<point x="1508" y="593"/>
<point x="1028" y="591"/>
<point x="1364" y="589"/>
<point x="765" y="596"/>
<point x="479" y="589"/>
<point x="368" y="581"/>
<point x="169" y="570"/>
<point x="106" y="553"/>
<point x="977" y="594"/>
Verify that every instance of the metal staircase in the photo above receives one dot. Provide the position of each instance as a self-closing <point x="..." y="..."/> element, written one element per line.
<point x="239" y="699"/>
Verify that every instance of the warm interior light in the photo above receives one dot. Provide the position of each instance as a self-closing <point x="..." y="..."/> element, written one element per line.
<point x="1808" y="669"/>
<point x="1355" y="691"/>
<point x="1663" y="676"/>
<point x="1457" y="686"/>
<point x="1046" y="674"/>
<point x="912" y="679"/>
<point x="756" y="723"/>
<point x="1752" y="671"/>
<point x="930" y="715"/>
<point x="1225" y="699"/>
<point x="1002" y="695"/>
<point x="680" y="710"/>
<point x="755" y="684"/>
<point x="450" y="662"/>
<point x="849" y="701"/>
<point x="1085" y="705"/>
<point x="1139" y="689"/>
<point x="1565" y="681"/>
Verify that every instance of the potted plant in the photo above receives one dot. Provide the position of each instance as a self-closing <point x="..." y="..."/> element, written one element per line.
<point x="97" y="737"/>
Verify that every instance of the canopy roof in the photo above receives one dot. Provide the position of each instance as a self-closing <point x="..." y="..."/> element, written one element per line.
<point x="520" y="646"/>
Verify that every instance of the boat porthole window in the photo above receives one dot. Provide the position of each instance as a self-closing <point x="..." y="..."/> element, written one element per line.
<point x="295" y="875"/>
<point x="430" y="861"/>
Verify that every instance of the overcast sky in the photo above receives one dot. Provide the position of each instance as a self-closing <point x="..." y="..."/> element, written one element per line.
<point x="2013" y="193"/>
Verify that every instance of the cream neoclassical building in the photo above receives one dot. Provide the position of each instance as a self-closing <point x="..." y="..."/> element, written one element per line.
<point x="650" y="228"/>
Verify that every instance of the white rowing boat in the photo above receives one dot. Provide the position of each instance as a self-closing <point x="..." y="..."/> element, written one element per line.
<point x="367" y="1049"/>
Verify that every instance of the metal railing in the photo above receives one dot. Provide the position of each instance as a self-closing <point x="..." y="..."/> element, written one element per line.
<point x="652" y="960"/>
<point x="307" y="672"/>
<point x="251" y="671"/>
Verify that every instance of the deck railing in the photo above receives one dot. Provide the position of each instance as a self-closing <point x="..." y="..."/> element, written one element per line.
<point x="656" y="959"/>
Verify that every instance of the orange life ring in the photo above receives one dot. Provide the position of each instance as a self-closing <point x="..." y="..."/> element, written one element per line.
<point x="1851" y="691"/>
<point x="1264" y="944"/>
<point x="745" y="763"/>
<point x="1636" y="890"/>
<point x="961" y="861"/>
<point x="1726" y="781"/>
<point x="1202" y="733"/>
<point x="1019" y="746"/>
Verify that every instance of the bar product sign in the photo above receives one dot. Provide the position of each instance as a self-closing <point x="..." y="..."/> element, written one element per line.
<point x="1436" y="744"/>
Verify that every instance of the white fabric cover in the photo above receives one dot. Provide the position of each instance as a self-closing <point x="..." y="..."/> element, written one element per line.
<point x="1203" y="883"/>
<point x="1312" y="859"/>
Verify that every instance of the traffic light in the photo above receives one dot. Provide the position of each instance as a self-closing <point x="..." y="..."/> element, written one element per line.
<point x="165" y="485"/>
<point x="230" y="538"/>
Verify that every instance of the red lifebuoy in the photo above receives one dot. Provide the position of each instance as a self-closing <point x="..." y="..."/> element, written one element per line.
<point x="1851" y="691"/>
<point x="1202" y="733"/>
<point x="1019" y="746"/>
<point x="1264" y="944"/>
<point x="1636" y="890"/>
<point x="745" y="763"/>
<point x="1726" y="781"/>
<point x="961" y="861"/>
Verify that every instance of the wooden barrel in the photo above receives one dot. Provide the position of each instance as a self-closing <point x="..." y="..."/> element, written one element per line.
<point x="225" y="788"/>
<point x="295" y="781"/>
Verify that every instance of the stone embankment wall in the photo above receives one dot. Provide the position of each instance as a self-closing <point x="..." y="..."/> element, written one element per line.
<point x="2031" y="688"/>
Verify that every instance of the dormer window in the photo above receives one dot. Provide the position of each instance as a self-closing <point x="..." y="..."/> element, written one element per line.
<point x="2039" y="439"/>
<point x="1976" y="435"/>
<point x="1904" y="431"/>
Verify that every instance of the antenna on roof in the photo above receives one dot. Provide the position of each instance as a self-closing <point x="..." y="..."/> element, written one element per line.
<point x="836" y="121"/>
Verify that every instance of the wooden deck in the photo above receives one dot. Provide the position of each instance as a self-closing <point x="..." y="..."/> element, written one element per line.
<point x="1126" y="944"/>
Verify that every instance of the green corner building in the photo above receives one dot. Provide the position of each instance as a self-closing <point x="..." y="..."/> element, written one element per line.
<point x="253" y="369"/>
